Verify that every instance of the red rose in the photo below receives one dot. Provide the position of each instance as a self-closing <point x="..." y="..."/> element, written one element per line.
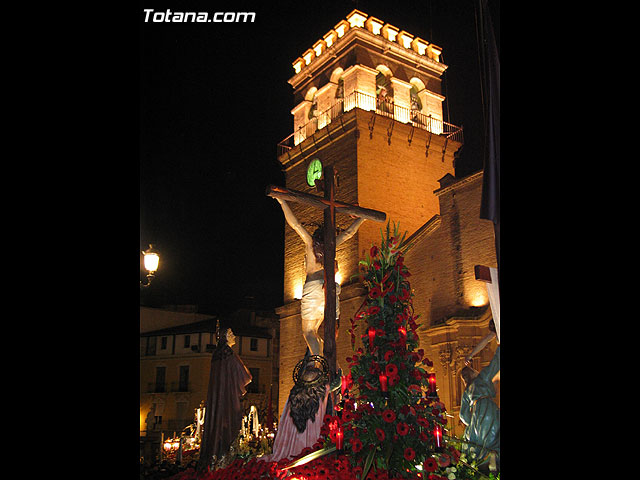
<point x="393" y="380"/>
<point x="388" y="416"/>
<point x="423" y="422"/>
<point x="375" y="292"/>
<point x="373" y="310"/>
<point x="430" y="465"/>
<point x="387" y="356"/>
<point x="414" y="388"/>
<point x="444" y="460"/>
<point x="380" y="434"/>
<point x="347" y="416"/>
<point x="391" y="369"/>
<point x="356" y="445"/>
<point x="393" y="298"/>
<point x="409" y="453"/>
<point x="455" y="454"/>
<point x="402" y="428"/>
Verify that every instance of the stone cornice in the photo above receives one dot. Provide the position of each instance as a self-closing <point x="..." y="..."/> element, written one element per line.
<point x="407" y="55"/>
<point x="458" y="183"/>
<point x="453" y="325"/>
<point x="432" y="224"/>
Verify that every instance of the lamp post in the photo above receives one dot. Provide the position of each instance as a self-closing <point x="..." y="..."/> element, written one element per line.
<point x="151" y="262"/>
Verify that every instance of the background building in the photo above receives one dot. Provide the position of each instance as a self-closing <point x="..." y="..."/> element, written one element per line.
<point x="175" y="363"/>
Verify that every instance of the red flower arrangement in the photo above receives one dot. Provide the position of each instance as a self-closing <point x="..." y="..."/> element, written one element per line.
<point x="394" y="423"/>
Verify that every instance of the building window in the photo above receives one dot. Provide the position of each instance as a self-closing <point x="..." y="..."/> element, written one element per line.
<point x="183" y="385"/>
<point x="151" y="346"/>
<point x="182" y="414"/>
<point x="160" y="379"/>
<point x="254" y="345"/>
<point x="163" y="343"/>
<point x="253" y="387"/>
<point x="187" y="341"/>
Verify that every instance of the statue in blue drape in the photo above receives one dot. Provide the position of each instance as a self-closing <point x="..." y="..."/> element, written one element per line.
<point x="479" y="412"/>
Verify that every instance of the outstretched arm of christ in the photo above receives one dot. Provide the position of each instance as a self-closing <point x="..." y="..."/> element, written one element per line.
<point x="349" y="232"/>
<point x="295" y="223"/>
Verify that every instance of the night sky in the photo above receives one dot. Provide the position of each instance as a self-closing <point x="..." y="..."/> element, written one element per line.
<point x="213" y="104"/>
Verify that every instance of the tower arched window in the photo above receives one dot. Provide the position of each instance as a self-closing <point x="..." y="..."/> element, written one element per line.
<point x="311" y="97"/>
<point x="416" y="105"/>
<point x="384" y="92"/>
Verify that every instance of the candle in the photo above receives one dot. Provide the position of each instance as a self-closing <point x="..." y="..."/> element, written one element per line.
<point x="372" y="334"/>
<point x="403" y="332"/>
<point x="432" y="385"/>
<point x="339" y="438"/>
<point x="344" y="385"/>
<point x="383" y="382"/>
<point x="437" y="433"/>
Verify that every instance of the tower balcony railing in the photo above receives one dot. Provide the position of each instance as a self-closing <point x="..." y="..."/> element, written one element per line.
<point x="381" y="106"/>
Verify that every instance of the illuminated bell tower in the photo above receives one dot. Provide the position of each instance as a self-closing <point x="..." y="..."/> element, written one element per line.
<point x="368" y="101"/>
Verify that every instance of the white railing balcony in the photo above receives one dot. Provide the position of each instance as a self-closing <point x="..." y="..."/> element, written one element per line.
<point x="382" y="107"/>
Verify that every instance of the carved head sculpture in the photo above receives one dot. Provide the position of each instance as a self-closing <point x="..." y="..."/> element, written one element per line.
<point x="310" y="376"/>
<point x="230" y="337"/>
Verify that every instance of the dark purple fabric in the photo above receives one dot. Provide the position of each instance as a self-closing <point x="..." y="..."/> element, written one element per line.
<point x="223" y="417"/>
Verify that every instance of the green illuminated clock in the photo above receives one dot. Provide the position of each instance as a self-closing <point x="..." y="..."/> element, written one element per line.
<point x="314" y="172"/>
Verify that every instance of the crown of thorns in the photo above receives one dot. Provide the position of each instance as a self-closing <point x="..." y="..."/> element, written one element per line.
<point x="318" y="363"/>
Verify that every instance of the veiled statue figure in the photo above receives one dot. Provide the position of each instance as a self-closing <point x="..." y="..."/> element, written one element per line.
<point x="228" y="380"/>
<point x="478" y="411"/>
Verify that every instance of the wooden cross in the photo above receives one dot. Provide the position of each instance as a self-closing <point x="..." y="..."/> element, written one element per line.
<point x="330" y="206"/>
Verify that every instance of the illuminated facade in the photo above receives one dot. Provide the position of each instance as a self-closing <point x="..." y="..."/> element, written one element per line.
<point x="368" y="101"/>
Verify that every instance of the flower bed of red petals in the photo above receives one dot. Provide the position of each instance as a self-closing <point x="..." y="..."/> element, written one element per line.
<point x="329" y="467"/>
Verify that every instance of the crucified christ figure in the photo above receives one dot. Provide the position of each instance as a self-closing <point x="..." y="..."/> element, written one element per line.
<point x="312" y="303"/>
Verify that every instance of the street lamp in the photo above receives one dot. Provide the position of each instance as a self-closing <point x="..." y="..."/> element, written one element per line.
<point x="151" y="261"/>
